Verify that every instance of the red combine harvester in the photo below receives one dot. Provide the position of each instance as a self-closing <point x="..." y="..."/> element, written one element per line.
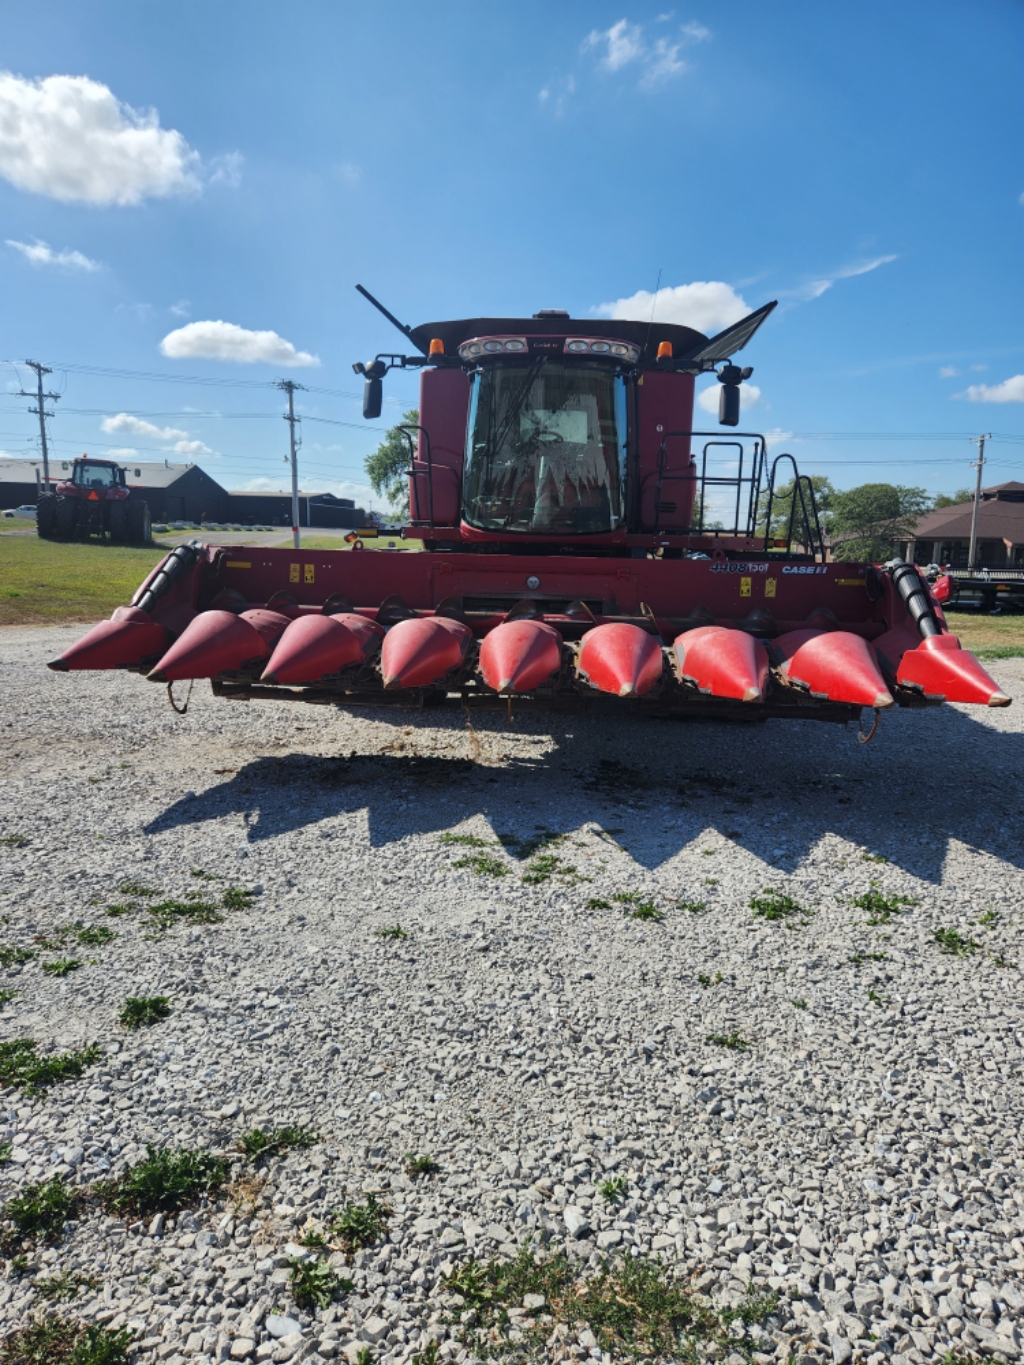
<point x="583" y="547"/>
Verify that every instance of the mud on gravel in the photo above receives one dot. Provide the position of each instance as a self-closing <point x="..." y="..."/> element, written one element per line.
<point x="530" y="955"/>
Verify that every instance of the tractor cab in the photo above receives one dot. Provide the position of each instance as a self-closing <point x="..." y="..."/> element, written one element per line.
<point x="99" y="476"/>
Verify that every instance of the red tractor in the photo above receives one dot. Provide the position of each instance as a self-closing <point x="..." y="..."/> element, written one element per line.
<point x="584" y="548"/>
<point x="96" y="500"/>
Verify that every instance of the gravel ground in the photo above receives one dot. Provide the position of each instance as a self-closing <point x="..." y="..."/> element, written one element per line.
<point x="856" y="1149"/>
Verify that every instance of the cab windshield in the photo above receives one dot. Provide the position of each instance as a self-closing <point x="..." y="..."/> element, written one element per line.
<point x="546" y="448"/>
<point x="94" y="475"/>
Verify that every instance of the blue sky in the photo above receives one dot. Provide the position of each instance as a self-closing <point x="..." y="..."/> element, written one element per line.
<point x="246" y="165"/>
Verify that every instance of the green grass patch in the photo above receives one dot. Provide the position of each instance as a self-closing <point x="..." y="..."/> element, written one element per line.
<point x="23" y="1068"/>
<point x="15" y="957"/>
<point x="61" y="966"/>
<point x="167" y="913"/>
<point x="38" y="1213"/>
<point x="734" y="1041"/>
<point x="137" y="889"/>
<point x="6" y="996"/>
<point x="860" y="957"/>
<point x="466" y="840"/>
<point x="95" y="936"/>
<point x="52" y="1340"/>
<point x="14" y="841"/>
<point x="235" y="898"/>
<point x="262" y="1142"/>
<point x="314" y="1284"/>
<point x="394" y="932"/>
<point x="951" y="941"/>
<point x="205" y="876"/>
<point x="881" y="909"/>
<point x="483" y="864"/>
<point x="548" y="865"/>
<point x="705" y="980"/>
<point x="420" y="1165"/>
<point x="774" y="905"/>
<point x="876" y="999"/>
<point x="999" y="652"/>
<point x="998" y="960"/>
<point x="360" y="1225"/>
<point x="635" y="1307"/>
<point x="77" y="581"/>
<point x="595" y="903"/>
<point x="166" y="1180"/>
<point x="142" y="1011"/>
<point x="799" y="1004"/>
<point x="873" y="858"/>
<point x="64" y="1287"/>
<point x="614" y="1189"/>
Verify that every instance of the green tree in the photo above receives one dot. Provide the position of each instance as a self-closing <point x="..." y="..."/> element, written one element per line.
<point x="954" y="500"/>
<point x="782" y="501"/>
<point x="387" y="466"/>
<point x="868" y="521"/>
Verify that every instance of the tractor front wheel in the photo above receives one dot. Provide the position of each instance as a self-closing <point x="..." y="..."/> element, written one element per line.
<point x="46" y="515"/>
<point x="67" y="518"/>
<point x="140" y="527"/>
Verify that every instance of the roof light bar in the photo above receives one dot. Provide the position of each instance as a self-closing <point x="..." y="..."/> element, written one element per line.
<point x="481" y="346"/>
<point x="620" y="350"/>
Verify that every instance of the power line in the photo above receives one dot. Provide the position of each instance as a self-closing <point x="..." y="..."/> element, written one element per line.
<point x="41" y="412"/>
<point x="289" y="386"/>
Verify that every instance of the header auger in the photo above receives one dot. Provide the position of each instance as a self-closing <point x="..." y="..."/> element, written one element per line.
<point x="583" y="547"/>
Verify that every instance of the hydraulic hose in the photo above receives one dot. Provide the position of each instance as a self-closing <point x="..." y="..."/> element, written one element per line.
<point x="178" y="563"/>
<point x="915" y="594"/>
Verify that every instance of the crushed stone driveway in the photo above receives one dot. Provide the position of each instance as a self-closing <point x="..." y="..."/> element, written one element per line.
<point x="744" y="999"/>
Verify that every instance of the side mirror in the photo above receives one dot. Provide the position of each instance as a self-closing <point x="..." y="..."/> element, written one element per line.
<point x="729" y="405"/>
<point x="373" y="399"/>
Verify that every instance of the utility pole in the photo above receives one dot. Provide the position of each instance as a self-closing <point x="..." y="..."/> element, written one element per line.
<point x="41" y="398"/>
<point x="979" y="464"/>
<point x="289" y="386"/>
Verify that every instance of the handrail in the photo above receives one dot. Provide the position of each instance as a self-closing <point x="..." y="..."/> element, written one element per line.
<point x="406" y="429"/>
<point x="813" y="532"/>
<point x="752" y="479"/>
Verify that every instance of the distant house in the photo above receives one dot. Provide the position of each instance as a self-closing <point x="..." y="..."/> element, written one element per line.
<point x="275" y="509"/>
<point x="944" y="536"/>
<point x="174" y="492"/>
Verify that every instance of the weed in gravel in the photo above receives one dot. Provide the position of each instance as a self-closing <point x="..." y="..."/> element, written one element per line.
<point x="6" y="996"/>
<point x="52" y="1340"/>
<point x="420" y="1165"/>
<point x="312" y="1239"/>
<point x="235" y="898"/>
<point x="873" y="858"/>
<point x="261" y="1142"/>
<point x="468" y="840"/>
<point x="709" y="881"/>
<point x="20" y="1065"/>
<point x="13" y="841"/>
<point x="167" y="913"/>
<point x="314" y="1284"/>
<point x="95" y="936"/>
<point x="595" y="903"/>
<point x="137" y="889"/>
<point x="646" y="910"/>
<point x="875" y="998"/>
<point x="860" y="957"/>
<point x="360" y="1225"/>
<point x="165" y="1181"/>
<point x="205" y="876"/>
<point x="483" y="864"/>
<point x="115" y="911"/>
<point x="773" y="905"/>
<point x="430" y="1355"/>
<point x="50" y="943"/>
<point x="880" y="909"/>
<point x="15" y="957"/>
<point x="64" y="1287"/>
<point x="613" y="1189"/>
<point x="394" y="931"/>
<point x="988" y="919"/>
<point x="39" y="1212"/>
<point x="61" y="966"/>
<point x="693" y="907"/>
<point x="998" y="960"/>
<point x="799" y="1004"/>
<point x="6" y="1148"/>
<point x="953" y="942"/>
<point x="548" y="865"/>
<point x="734" y="1041"/>
<point x="706" y="980"/>
<point x="140" y="1011"/>
<point x="634" y="1306"/>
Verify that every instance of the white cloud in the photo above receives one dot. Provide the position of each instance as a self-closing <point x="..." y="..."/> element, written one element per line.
<point x="558" y="92"/>
<point x="948" y="372"/>
<point x="624" y="45"/>
<point x="226" y="170"/>
<point x="706" y="305"/>
<point x="226" y="341"/>
<point x="1009" y="391"/>
<point x="815" y="288"/>
<point x="39" y="253"/>
<point x="72" y="139"/>
<point x="121" y="452"/>
<point x="135" y="426"/>
<point x="750" y="396"/>
<point x="191" y="448"/>
<point x="775" y="436"/>
<point x="349" y="172"/>
<point x="360" y="493"/>
<point x="181" y="309"/>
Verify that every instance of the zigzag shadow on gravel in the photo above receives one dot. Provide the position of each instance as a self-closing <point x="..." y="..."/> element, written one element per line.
<point x="774" y="790"/>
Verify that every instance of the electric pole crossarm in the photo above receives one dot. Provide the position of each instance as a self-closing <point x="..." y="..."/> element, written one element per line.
<point x="979" y="465"/>
<point x="289" y="386"/>
<point x="41" y="412"/>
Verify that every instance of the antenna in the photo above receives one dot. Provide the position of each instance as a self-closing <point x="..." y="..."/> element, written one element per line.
<point x="406" y="331"/>
<point x="650" y="325"/>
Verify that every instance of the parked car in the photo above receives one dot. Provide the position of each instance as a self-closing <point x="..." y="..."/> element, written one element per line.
<point x="25" y="510"/>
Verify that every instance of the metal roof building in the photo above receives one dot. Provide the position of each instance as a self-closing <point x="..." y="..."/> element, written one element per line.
<point x="943" y="536"/>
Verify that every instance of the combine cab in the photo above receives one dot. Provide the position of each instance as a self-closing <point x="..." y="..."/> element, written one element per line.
<point x="95" y="501"/>
<point x="584" y="548"/>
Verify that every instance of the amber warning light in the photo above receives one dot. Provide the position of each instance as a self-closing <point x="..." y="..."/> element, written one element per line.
<point x="437" y="346"/>
<point x="664" y="350"/>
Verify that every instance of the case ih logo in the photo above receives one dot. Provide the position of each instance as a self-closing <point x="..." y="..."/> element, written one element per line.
<point x="804" y="568"/>
<point x="546" y="345"/>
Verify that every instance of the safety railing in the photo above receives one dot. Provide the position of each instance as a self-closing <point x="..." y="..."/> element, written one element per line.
<point x="745" y="482"/>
